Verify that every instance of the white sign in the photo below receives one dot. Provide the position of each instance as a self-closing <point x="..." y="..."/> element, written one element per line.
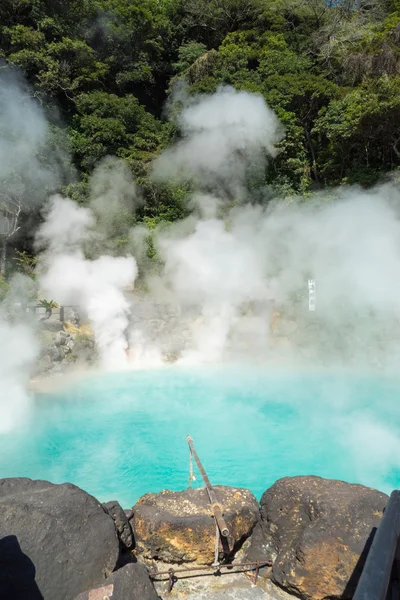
<point x="312" y="299"/>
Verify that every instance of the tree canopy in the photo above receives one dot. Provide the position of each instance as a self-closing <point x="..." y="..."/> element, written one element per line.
<point x="103" y="69"/>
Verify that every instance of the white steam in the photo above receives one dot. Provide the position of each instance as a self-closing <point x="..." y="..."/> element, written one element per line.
<point x="18" y="352"/>
<point x="23" y="142"/>
<point x="231" y="280"/>
<point x="264" y="257"/>
<point x="222" y="135"/>
<point x="96" y="286"/>
<point x="23" y="134"/>
<point x="243" y="269"/>
<point x="217" y="272"/>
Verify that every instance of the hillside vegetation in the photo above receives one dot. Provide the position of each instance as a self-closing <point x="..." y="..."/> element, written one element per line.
<point x="104" y="69"/>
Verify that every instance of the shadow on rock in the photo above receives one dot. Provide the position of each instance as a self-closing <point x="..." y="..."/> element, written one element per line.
<point x="17" y="572"/>
<point x="355" y="576"/>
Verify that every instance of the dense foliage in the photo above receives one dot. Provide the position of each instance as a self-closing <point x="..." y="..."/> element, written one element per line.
<point x="104" y="68"/>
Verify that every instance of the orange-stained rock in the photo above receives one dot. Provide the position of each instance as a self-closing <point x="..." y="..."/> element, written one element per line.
<point x="179" y="527"/>
<point x="317" y="532"/>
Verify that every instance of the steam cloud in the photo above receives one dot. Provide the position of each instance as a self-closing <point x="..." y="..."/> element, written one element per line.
<point x="94" y="285"/>
<point x="235" y="271"/>
<point x="19" y="350"/>
<point x="237" y="265"/>
<point x="222" y="135"/>
<point x="23" y="137"/>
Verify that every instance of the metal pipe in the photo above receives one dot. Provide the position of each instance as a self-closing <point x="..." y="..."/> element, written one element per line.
<point x="172" y="579"/>
<point x="254" y="565"/>
<point x="216" y="507"/>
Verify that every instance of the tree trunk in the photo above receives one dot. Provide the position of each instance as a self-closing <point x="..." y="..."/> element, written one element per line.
<point x="311" y="148"/>
<point x="3" y="256"/>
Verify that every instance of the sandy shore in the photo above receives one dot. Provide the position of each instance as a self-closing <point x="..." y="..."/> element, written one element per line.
<point x="53" y="383"/>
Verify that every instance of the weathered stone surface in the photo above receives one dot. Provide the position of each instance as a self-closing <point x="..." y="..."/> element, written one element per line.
<point x="122" y="524"/>
<point x="259" y="548"/>
<point x="13" y="562"/>
<point x="51" y="324"/>
<point x="84" y="349"/>
<point x="132" y="582"/>
<point x="232" y="585"/>
<point x="52" y="351"/>
<point x="179" y="527"/>
<point x="61" y="338"/>
<point x="61" y="532"/>
<point x="318" y="532"/>
<point x="64" y="351"/>
<point x="72" y="316"/>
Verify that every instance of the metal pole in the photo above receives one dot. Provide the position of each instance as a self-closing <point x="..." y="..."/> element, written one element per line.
<point x="376" y="575"/>
<point x="216" y="507"/>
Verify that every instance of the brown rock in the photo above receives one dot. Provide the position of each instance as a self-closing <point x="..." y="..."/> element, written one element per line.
<point x="318" y="531"/>
<point x="179" y="527"/>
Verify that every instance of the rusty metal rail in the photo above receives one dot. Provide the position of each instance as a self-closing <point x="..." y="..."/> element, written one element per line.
<point x="215" y="506"/>
<point x="253" y="566"/>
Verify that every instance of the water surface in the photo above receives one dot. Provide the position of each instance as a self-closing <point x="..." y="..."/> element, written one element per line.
<point x="119" y="436"/>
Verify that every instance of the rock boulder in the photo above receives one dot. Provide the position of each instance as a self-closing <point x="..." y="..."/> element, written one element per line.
<point x="132" y="582"/>
<point x="51" y="324"/>
<point x="122" y="524"/>
<point x="317" y="532"/>
<point x="71" y="316"/>
<point x="62" y="533"/>
<point x="52" y="351"/>
<point x="178" y="527"/>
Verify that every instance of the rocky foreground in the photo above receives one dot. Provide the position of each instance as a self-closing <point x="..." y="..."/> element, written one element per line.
<point x="59" y="543"/>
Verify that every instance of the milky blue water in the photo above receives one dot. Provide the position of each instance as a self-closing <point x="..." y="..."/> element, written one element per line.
<point x="122" y="435"/>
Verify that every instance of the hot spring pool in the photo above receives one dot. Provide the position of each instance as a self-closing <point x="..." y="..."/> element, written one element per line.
<point x="119" y="436"/>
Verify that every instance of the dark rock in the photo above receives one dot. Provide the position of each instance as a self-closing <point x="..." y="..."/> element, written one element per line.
<point x="61" y="338"/>
<point x="318" y="531"/>
<point x="51" y="325"/>
<point x="179" y="526"/>
<point x="13" y="562"/>
<point x="258" y="549"/>
<point x="63" y="351"/>
<point x="52" y="351"/>
<point x="122" y="524"/>
<point x="63" y="531"/>
<point x="85" y="349"/>
<point x="132" y="582"/>
<point x="72" y="316"/>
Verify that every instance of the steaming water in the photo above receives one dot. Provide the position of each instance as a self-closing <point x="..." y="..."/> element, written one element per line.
<point x="122" y="435"/>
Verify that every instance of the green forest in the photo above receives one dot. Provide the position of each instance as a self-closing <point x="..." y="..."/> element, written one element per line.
<point x="104" y="70"/>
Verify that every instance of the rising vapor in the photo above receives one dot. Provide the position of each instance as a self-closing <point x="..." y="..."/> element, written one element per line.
<point x="97" y="285"/>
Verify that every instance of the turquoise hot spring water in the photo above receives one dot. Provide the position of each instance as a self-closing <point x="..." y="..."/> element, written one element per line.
<point x="121" y="435"/>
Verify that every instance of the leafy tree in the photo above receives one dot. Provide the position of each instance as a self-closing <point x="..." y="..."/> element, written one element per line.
<point x="107" y="124"/>
<point x="363" y="132"/>
<point x="209" y="21"/>
<point x="102" y="70"/>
